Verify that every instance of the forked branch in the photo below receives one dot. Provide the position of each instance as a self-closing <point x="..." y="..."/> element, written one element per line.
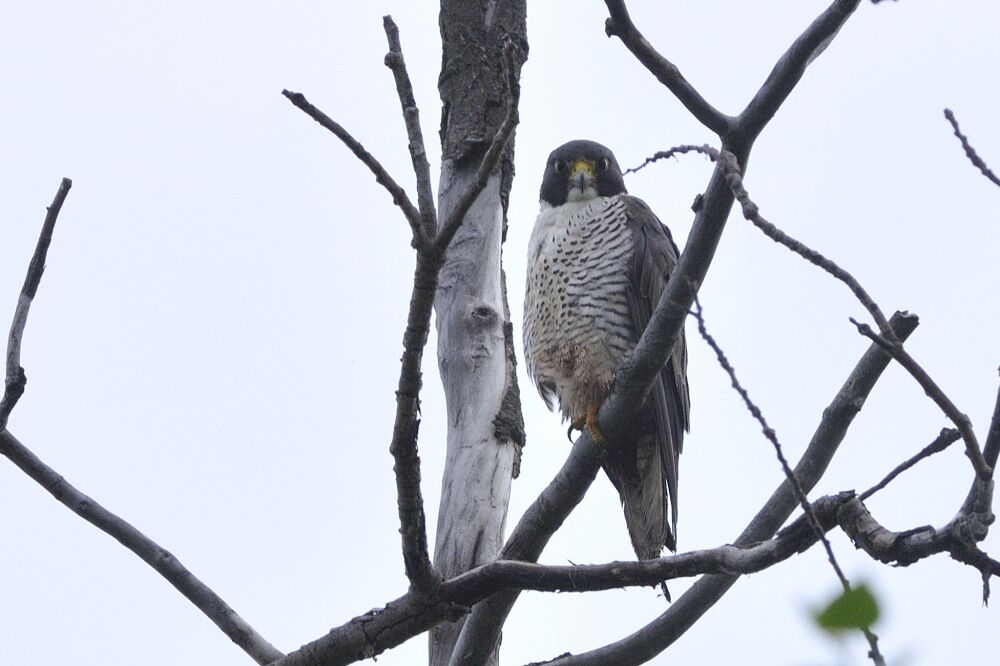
<point x="411" y="116"/>
<point x="382" y="176"/>
<point x="619" y="24"/>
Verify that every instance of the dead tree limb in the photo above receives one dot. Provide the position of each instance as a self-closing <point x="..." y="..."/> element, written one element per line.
<point x="947" y="437"/>
<point x="752" y="213"/>
<point x="15" y="378"/>
<point x="161" y="560"/>
<point x="382" y="177"/>
<point x="207" y="601"/>
<point x="771" y="435"/>
<point x="619" y="24"/>
<point x="935" y="393"/>
<point x="411" y="116"/>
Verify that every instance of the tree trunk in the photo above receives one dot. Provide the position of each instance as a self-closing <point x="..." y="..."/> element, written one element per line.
<point x="475" y="336"/>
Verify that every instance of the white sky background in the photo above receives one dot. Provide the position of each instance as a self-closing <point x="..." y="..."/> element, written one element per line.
<point x="214" y="347"/>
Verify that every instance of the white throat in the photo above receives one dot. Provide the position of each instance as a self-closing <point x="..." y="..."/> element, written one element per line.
<point x="576" y="194"/>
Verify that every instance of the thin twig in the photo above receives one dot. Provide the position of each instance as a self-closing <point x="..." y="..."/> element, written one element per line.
<point x="619" y="24"/>
<point x="886" y="338"/>
<point x="970" y="152"/>
<point x="382" y="176"/>
<point x="800" y="493"/>
<point x="161" y="560"/>
<point x="15" y="379"/>
<point x="449" y="227"/>
<point x="976" y="557"/>
<point x="411" y="116"/>
<point x="704" y="149"/>
<point x="752" y="213"/>
<point x="947" y="437"/>
<point x="771" y="436"/>
<point x="934" y="392"/>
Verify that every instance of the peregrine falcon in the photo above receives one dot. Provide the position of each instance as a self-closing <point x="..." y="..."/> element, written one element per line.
<point x="598" y="260"/>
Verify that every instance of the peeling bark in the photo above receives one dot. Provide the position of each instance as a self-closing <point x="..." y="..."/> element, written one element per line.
<point x="475" y="335"/>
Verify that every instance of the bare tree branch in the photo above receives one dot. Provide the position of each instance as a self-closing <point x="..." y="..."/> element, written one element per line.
<point x="620" y="25"/>
<point x="411" y="116"/>
<point x="161" y="560"/>
<point x="369" y="635"/>
<point x="934" y="392"/>
<point x="792" y="65"/>
<point x="430" y="253"/>
<point x="771" y="435"/>
<point x="975" y="557"/>
<point x="958" y="538"/>
<point x="704" y="149"/>
<point x="800" y="494"/>
<point x="168" y="566"/>
<point x="406" y="467"/>
<point x="947" y="437"/>
<point x="970" y="152"/>
<point x="382" y="176"/>
<point x="798" y="537"/>
<point x="659" y="634"/>
<point x="752" y="213"/>
<point x="731" y="168"/>
<point x="15" y="377"/>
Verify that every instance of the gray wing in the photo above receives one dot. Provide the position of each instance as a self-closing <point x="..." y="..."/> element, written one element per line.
<point x="665" y="415"/>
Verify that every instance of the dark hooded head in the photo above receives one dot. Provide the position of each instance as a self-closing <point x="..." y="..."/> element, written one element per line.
<point x="580" y="170"/>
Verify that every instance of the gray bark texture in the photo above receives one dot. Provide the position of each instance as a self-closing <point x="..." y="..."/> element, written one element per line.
<point x="475" y="348"/>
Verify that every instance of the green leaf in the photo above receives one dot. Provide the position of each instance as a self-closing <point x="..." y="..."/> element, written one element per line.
<point x="854" y="609"/>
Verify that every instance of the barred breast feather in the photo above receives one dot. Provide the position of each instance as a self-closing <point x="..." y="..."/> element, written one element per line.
<point x="577" y="325"/>
<point x="596" y="270"/>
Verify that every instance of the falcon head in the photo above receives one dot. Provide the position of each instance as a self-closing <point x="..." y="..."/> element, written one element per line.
<point x="581" y="170"/>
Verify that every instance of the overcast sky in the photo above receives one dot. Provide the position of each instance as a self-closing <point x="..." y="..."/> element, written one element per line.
<point x="214" y="347"/>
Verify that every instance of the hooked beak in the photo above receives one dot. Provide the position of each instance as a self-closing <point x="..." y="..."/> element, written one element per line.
<point x="581" y="175"/>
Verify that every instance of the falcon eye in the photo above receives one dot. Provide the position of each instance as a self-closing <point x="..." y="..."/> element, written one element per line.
<point x="603" y="164"/>
<point x="559" y="165"/>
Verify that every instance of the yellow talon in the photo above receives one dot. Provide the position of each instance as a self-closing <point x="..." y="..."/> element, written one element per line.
<point x="591" y="423"/>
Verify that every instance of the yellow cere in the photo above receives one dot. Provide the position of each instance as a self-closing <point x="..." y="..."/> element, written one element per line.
<point x="582" y="165"/>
